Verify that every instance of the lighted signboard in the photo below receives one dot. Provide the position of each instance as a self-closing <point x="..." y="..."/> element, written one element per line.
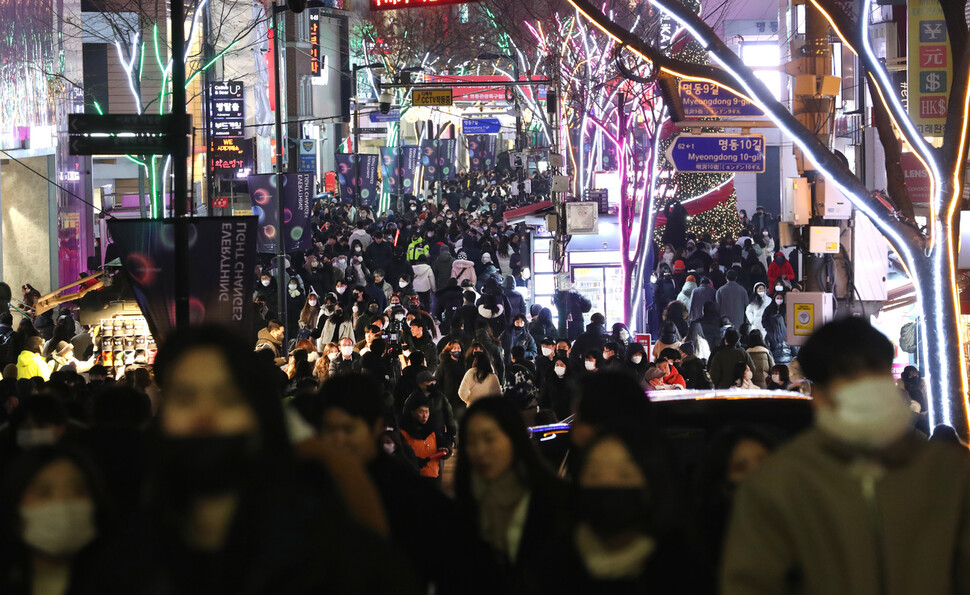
<point x="315" y="43"/>
<point x="399" y="4"/>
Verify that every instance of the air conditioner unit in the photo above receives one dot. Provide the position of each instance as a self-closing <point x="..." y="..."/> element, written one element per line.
<point x="796" y="201"/>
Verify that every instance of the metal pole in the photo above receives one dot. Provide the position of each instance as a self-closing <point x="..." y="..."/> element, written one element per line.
<point x="180" y="167"/>
<point x="278" y="40"/>
<point x="518" y="109"/>
<point x="356" y="143"/>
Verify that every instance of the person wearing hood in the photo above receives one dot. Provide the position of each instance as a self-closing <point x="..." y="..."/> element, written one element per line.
<point x="266" y="288"/>
<point x="636" y="360"/>
<point x="514" y="298"/>
<point x="867" y="469"/>
<point x="780" y="270"/>
<point x="491" y="311"/>
<point x="30" y="364"/>
<point x="542" y="326"/>
<point x="669" y="338"/>
<point x="756" y="308"/>
<point x="295" y="300"/>
<point x="442" y="267"/>
<point x="690" y="284"/>
<point x="271" y="338"/>
<point x="449" y="374"/>
<point x="623" y="339"/>
<point x="704" y="293"/>
<point x="463" y="269"/>
<point x="592" y="340"/>
<point x="761" y="356"/>
<point x="518" y="335"/>
<point x="572" y="305"/>
<point x="776" y="329"/>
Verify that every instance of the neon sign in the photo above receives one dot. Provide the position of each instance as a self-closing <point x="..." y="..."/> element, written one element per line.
<point x="315" y="43"/>
<point x="399" y="4"/>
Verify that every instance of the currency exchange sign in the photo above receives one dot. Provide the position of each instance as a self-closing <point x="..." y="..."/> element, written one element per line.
<point x="718" y="153"/>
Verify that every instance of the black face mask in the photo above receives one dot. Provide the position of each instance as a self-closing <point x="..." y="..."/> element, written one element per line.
<point x="611" y="512"/>
<point x="206" y="465"/>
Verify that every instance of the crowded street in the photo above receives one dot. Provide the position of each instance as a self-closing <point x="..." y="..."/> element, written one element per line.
<point x="484" y="297"/>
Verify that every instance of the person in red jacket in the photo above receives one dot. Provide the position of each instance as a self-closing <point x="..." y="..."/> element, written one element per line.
<point x="671" y="378"/>
<point x="780" y="269"/>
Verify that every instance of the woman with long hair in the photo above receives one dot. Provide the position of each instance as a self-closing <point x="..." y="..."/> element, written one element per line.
<point x="321" y="369"/>
<point x="504" y="488"/>
<point x="676" y="312"/>
<point x="741" y="377"/>
<point x="479" y="381"/>
<point x="702" y="348"/>
<point x="309" y="316"/>
<point x="779" y="378"/>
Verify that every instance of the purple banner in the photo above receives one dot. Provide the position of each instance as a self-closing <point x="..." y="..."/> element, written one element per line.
<point x="429" y="159"/>
<point x="297" y="200"/>
<point x="389" y="169"/>
<point x="481" y="152"/>
<point x="410" y="160"/>
<point x="368" y="181"/>
<point x="221" y="273"/>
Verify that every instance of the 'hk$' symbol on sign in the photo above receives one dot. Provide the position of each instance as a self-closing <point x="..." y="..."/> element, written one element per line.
<point x="932" y="82"/>
<point x="932" y="32"/>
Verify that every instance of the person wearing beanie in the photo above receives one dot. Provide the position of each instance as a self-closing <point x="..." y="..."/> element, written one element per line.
<point x="30" y="364"/>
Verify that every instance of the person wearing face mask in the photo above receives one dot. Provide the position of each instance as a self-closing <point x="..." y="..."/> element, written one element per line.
<point x="624" y="538"/>
<point x="347" y="360"/>
<point x="756" y="307"/>
<point x="266" y="288"/>
<point x="227" y="494"/>
<point x="867" y="470"/>
<point x="779" y="378"/>
<point x="776" y="329"/>
<point x="621" y="336"/>
<point x="309" y="315"/>
<point x="56" y="513"/>
<point x="780" y="271"/>
<point x="295" y="300"/>
<point x="555" y="394"/>
<point x="450" y="373"/>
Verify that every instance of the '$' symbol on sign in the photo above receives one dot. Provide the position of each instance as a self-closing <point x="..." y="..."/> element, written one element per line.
<point x="932" y="82"/>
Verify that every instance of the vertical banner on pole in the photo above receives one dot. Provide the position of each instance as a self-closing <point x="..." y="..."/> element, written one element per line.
<point x="929" y="67"/>
<point x="481" y="152"/>
<point x="221" y="277"/>
<point x="345" y="176"/>
<point x="368" y="181"/>
<point x="389" y="170"/>
<point x="429" y="160"/>
<point x="410" y="159"/>
<point x="446" y="159"/>
<point x="297" y="200"/>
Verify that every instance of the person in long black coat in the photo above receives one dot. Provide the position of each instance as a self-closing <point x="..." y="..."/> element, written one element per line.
<point x="675" y="231"/>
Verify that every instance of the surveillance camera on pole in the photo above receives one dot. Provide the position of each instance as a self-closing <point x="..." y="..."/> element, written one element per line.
<point x="385" y="101"/>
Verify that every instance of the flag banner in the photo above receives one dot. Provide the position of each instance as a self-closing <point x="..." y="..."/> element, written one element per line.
<point x="429" y="160"/>
<point x="368" y="182"/>
<point x="447" y="166"/>
<point x="389" y="169"/>
<point x="481" y="152"/>
<point x="221" y="271"/>
<point x="408" y="167"/>
<point x="297" y="200"/>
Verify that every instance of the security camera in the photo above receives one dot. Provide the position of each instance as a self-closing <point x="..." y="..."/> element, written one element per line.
<point x="385" y="102"/>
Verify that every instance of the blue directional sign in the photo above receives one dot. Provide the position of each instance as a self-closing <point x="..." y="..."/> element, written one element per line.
<point x="718" y="153"/>
<point x="707" y="100"/>
<point x="379" y="118"/>
<point x="481" y="126"/>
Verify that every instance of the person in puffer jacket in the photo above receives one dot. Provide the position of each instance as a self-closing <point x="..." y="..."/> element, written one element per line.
<point x="463" y="269"/>
<point x="423" y="282"/>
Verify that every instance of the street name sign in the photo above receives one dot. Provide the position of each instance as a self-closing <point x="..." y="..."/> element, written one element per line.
<point x="707" y="100"/>
<point x="718" y="153"/>
<point x="432" y="97"/>
<point x="481" y="126"/>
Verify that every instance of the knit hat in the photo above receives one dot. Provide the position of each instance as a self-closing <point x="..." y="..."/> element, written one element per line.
<point x="691" y="279"/>
<point x="679" y="266"/>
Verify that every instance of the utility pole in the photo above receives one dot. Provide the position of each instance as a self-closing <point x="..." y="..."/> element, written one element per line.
<point x="180" y="166"/>
<point x="279" y="38"/>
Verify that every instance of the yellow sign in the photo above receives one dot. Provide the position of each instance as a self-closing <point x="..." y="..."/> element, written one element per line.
<point x="241" y="212"/>
<point x="432" y="97"/>
<point x="804" y="319"/>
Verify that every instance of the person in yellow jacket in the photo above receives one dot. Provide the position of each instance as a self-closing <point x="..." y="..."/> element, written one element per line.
<point x="30" y="363"/>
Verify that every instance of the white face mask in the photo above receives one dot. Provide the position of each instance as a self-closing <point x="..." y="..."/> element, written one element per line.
<point x="59" y="528"/>
<point x="293" y="286"/>
<point x="761" y="292"/>
<point x="399" y="317"/>
<point x="312" y="302"/>
<point x="547" y="351"/>
<point x="354" y="309"/>
<point x="346" y="350"/>
<point x="340" y="290"/>
<point x="779" y="301"/>
<point x="388" y="447"/>
<point x="333" y="355"/>
<point x="402" y="283"/>
<point x="636" y="359"/>
<point x="624" y="335"/>
<point x="560" y="371"/>
<point x="590" y="365"/>
<point x="265" y="282"/>
<point x="870" y="413"/>
<point x="776" y="378"/>
<point x="29" y="438"/>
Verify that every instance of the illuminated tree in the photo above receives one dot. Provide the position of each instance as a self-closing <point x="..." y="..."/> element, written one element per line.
<point x="928" y="253"/>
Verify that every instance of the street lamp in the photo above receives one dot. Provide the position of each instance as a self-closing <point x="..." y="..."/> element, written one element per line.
<point x="356" y="69"/>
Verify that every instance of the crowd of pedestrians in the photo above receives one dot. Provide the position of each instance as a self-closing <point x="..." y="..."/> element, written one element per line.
<point x="309" y="455"/>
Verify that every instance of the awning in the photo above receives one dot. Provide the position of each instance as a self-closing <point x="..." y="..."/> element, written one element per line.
<point x="533" y="211"/>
